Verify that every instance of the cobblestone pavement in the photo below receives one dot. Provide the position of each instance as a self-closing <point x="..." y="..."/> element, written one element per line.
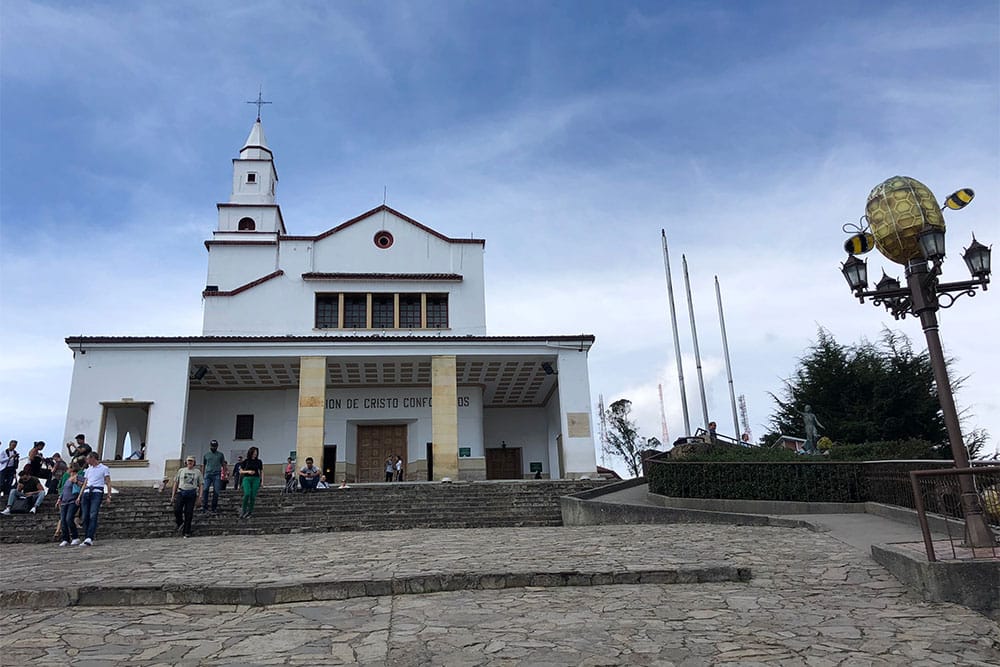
<point x="813" y="600"/>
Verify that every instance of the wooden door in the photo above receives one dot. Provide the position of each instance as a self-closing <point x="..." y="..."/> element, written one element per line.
<point x="504" y="463"/>
<point x="375" y="445"/>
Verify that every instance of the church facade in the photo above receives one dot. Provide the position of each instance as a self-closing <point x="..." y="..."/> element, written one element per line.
<point x="364" y="342"/>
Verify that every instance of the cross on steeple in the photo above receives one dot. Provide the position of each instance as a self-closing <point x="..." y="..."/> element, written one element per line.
<point x="259" y="101"/>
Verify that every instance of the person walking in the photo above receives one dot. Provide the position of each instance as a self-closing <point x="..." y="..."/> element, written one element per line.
<point x="252" y="477"/>
<point x="399" y="469"/>
<point x="96" y="478"/>
<point x="188" y="482"/>
<point x="390" y="469"/>
<point x="211" y="467"/>
<point x="236" y="473"/>
<point x="66" y="504"/>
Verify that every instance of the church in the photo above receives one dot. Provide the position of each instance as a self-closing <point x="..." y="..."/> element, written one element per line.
<point x="360" y="343"/>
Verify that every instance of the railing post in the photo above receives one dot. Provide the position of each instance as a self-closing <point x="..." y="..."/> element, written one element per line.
<point x="918" y="500"/>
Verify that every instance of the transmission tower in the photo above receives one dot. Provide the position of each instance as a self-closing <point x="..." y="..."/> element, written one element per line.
<point x="663" y="419"/>
<point x="603" y="430"/>
<point x="745" y="416"/>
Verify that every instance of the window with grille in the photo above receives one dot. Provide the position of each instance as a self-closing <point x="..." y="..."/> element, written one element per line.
<point x="327" y="311"/>
<point x="383" y="311"/>
<point x="355" y="311"/>
<point x="409" y="311"/>
<point x="437" y="311"/>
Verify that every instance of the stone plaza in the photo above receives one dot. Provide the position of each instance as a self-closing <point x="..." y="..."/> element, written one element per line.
<point x="508" y="596"/>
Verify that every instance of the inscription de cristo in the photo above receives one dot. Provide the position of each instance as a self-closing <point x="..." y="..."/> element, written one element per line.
<point x="386" y="403"/>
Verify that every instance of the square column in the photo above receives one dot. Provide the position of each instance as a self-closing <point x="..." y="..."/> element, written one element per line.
<point x="312" y="401"/>
<point x="578" y="455"/>
<point x="444" y="416"/>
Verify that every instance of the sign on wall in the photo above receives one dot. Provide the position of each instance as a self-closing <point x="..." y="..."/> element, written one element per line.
<point x="535" y="466"/>
<point x="409" y="402"/>
<point x="578" y="424"/>
<point x="464" y="452"/>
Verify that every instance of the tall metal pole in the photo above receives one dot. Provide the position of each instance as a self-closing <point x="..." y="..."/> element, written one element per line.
<point x="922" y="284"/>
<point x="677" y="340"/>
<point x="729" y="368"/>
<point x="694" y="339"/>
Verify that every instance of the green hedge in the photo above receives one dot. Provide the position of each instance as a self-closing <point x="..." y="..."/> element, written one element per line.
<point x="791" y="481"/>
<point x="802" y="481"/>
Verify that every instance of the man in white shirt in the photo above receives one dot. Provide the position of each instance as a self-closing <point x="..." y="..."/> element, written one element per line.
<point x="97" y="476"/>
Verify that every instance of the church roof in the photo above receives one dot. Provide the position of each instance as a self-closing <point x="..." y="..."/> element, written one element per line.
<point x="581" y="339"/>
<point x="256" y="139"/>
<point x="379" y="209"/>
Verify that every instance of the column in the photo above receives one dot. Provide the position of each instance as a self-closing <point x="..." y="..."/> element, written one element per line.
<point x="444" y="416"/>
<point x="579" y="457"/>
<point x="312" y="402"/>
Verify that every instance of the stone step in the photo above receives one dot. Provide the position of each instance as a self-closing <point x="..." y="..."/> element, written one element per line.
<point x="147" y="513"/>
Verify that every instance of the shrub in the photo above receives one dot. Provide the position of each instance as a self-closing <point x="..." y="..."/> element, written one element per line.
<point x="889" y="450"/>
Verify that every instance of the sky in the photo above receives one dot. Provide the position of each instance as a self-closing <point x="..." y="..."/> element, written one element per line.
<point x="567" y="134"/>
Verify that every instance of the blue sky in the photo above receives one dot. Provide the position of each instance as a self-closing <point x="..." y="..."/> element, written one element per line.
<point x="565" y="133"/>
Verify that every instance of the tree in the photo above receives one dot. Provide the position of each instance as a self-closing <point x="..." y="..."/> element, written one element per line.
<point x="623" y="438"/>
<point x="866" y="392"/>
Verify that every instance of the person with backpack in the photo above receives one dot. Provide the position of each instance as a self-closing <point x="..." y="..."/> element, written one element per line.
<point x="66" y="504"/>
<point x="29" y="488"/>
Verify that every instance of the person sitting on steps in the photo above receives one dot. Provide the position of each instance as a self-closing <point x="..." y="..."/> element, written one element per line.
<point x="28" y="486"/>
<point x="309" y="476"/>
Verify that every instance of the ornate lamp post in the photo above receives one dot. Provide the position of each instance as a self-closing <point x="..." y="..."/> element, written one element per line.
<point x="907" y="227"/>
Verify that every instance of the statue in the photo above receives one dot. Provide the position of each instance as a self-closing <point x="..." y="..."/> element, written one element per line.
<point x="811" y="424"/>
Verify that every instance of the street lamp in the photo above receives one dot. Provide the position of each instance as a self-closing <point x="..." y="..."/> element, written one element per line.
<point x="908" y="228"/>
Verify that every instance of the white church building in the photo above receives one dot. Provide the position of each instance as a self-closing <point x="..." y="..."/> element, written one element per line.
<point x="363" y="342"/>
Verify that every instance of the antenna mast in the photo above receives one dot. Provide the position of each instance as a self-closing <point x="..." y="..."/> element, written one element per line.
<point x="745" y="416"/>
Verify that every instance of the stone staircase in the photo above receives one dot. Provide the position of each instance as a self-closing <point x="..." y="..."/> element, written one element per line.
<point x="145" y="513"/>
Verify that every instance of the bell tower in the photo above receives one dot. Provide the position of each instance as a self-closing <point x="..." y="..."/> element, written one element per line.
<point x="251" y="206"/>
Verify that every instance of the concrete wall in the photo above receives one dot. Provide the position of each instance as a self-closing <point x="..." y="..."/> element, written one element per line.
<point x="211" y="415"/>
<point x="576" y="414"/>
<point x="102" y="375"/>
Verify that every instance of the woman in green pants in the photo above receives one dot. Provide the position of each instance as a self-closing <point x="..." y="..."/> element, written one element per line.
<point x="251" y="477"/>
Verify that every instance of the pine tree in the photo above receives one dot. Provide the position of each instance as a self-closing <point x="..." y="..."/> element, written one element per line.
<point x="867" y="392"/>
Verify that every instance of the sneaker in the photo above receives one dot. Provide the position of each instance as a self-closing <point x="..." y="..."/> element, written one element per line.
<point x="64" y="543"/>
<point x="88" y="542"/>
<point x="33" y="510"/>
<point x="75" y="542"/>
<point x="186" y="536"/>
<point x="6" y="511"/>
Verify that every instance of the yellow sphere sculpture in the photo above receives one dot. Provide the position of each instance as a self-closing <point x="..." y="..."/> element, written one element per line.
<point x="897" y="211"/>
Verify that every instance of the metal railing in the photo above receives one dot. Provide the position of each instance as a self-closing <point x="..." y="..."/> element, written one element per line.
<point x="938" y="493"/>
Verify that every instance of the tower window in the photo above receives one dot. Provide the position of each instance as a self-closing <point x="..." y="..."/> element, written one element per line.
<point x="247" y="225"/>
<point x="251" y="177"/>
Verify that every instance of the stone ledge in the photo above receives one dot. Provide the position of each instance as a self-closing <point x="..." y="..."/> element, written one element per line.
<point x="971" y="583"/>
<point x="323" y="590"/>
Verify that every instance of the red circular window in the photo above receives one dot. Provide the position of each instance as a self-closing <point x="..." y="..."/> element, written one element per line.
<point x="383" y="239"/>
